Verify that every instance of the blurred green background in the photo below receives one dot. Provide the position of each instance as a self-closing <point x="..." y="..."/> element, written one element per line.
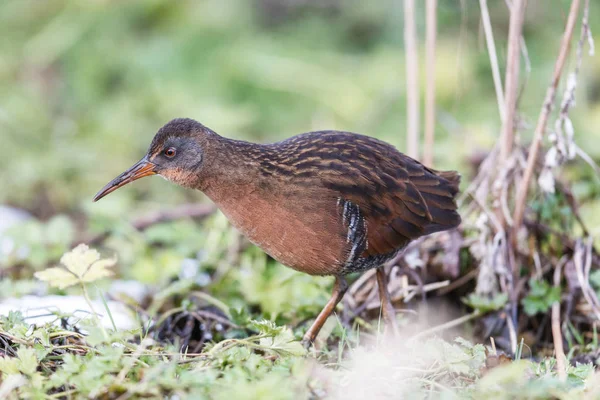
<point x="85" y="85"/>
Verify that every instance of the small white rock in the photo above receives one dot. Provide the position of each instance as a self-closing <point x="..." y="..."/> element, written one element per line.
<point x="42" y="310"/>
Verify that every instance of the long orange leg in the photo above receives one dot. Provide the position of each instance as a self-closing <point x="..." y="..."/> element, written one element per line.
<point x="339" y="289"/>
<point x="389" y="314"/>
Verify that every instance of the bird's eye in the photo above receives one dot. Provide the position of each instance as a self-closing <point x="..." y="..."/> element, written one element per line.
<point x="170" y="152"/>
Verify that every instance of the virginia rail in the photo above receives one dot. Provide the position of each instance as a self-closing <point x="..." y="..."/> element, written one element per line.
<point x="324" y="203"/>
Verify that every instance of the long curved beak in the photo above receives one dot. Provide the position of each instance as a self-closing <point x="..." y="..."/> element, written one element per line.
<point x="141" y="169"/>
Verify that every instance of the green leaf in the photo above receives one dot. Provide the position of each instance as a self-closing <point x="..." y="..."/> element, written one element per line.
<point x="81" y="265"/>
<point x="578" y="374"/>
<point x="513" y="373"/>
<point x="284" y="344"/>
<point x="240" y="316"/>
<point x="486" y="304"/>
<point x="266" y="327"/>
<point x="57" y="277"/>
<point x="98" y="270"/>
<point x="540" y="298"/>
<point x="9" y="365"/>
<point x="28" y="361"/>
<point x="79" y="260"/>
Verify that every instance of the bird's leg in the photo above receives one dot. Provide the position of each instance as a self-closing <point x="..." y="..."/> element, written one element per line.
<point x="389" y="314"/>
<point x="339" y="289"/>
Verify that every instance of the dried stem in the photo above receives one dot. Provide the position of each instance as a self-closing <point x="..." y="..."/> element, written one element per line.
<point x="543" y="118"/>
<point x="95" y="315"/>
<point x="430" y="42"/>
<point x="512" y="77"/>
<point x="412" y="79"/>
<point x="491" y="47"/>
<point x="557" y="332"/>
<point x="582" y="259"/>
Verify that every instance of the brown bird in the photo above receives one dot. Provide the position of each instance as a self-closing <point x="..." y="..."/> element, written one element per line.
<point x="324" y="203"/>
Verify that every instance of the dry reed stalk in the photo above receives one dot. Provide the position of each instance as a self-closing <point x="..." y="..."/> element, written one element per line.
<point x="491" y="46"/>
<point x="543" y="118"/>
<point x="412" y="80"/>
<point x="557" y="332"/>
<point x="512" y="77"/>
<point x="430" y="43"/>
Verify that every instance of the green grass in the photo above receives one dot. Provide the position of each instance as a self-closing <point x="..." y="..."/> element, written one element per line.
<point x="52" y="362"/>
<point x="252" y="357"/>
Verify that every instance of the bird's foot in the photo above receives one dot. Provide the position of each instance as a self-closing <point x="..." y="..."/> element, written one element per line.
<point x="306" y="342"/>
<point x="391" y="324"/>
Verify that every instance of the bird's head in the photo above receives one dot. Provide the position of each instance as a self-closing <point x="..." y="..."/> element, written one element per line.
<point x="176" y="153"/>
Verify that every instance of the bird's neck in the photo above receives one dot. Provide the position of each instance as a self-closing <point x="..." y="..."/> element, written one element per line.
<point x="235" y="170"/>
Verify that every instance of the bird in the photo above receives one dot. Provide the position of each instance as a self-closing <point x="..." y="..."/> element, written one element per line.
<point x="326" y="203"/>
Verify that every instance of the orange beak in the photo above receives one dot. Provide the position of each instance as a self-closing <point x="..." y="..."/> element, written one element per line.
<point x="141" y="169"/>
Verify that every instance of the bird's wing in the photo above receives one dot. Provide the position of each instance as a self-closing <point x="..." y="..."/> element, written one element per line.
<point x="399" y="199"/>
